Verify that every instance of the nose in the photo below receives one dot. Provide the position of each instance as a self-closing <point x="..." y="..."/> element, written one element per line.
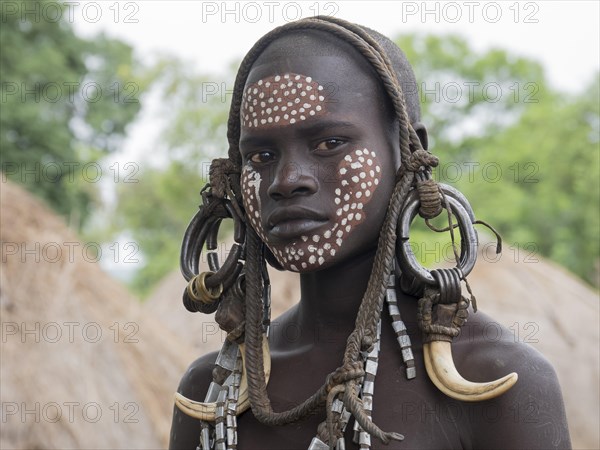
<point x="293" y="179"/>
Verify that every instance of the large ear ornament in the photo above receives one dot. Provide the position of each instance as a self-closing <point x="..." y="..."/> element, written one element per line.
<point x="204" y="289"/>
<point x="442" y="308"/>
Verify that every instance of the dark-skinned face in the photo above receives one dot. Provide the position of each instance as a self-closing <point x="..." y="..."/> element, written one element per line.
<point x="318" y="160"/>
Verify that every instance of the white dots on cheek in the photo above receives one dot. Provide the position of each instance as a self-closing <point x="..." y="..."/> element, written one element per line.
<point x="353" y="192"/>
<point x="359" y="174"/>
<point x="250" y="183"/>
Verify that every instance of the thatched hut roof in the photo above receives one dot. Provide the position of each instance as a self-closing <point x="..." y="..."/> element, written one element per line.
<point x="83" y="365"/>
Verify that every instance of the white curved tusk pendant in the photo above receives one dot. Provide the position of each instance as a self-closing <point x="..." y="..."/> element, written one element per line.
<point x="442" y="372"/>
<point x="207" y="411"/>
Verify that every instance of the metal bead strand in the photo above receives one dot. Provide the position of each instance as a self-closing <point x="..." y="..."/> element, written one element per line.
<point x="205" y="436"/>
<point x="220" y="423"/>
<point x="361" y="437"/>
<point x="232" y="400"/>
<point x="400" y="329"/>
<point x="344" y="418"/>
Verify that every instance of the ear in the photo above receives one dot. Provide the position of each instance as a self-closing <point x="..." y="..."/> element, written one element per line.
<point x="422" y="133"/>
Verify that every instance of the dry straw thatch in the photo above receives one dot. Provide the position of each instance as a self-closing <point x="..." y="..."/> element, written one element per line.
<point x="62" y="384"/>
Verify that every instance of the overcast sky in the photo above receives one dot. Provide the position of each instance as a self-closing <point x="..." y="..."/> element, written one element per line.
<point x="563" y="35"/>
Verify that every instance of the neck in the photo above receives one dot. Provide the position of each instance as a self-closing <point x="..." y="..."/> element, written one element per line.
<point x="330" y="299"/>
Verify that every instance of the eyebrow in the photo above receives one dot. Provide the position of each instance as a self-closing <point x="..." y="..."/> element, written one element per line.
<point x="322" y="125"/>
<point x="316" y="127"/>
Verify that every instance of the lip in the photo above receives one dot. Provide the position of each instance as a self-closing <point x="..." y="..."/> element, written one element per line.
<point x="294" y="221"/>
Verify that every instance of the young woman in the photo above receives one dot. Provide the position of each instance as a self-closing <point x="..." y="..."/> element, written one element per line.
<point x="327" y="167"/>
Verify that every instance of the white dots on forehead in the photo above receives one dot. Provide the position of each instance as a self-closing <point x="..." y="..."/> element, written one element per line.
<point x="281" y="100"/>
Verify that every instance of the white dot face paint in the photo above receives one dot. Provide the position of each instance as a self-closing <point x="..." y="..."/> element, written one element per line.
<point x="291" y="91"/>
<point x="353" y="189"/>
<point x="286" y="100"/>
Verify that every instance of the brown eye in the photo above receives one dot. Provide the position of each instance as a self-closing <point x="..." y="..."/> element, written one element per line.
<point x="329" y="144"/>
<point x="262" y="157"/>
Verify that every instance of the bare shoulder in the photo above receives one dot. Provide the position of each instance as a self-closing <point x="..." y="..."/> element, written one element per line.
<point x="185" y="430"/>
<point x="194" y="382"/>
<point x="531" y="414"/>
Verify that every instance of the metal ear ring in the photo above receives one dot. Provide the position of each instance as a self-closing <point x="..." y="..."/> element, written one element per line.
<point x="442" y="308"/>
<point x="204" y="289"/>
<point x="417" y="276"/>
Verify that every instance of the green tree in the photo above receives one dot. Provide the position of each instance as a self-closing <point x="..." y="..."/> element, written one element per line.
<point x="193" y="134"/>
<point x="525" y="155"/>
<point x="66" y="102"/>
<point x="541" y="186"/>
<point x="465" y="94"/>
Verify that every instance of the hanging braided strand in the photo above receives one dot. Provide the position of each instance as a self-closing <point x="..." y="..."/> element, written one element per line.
<point x="363" y="338"/>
